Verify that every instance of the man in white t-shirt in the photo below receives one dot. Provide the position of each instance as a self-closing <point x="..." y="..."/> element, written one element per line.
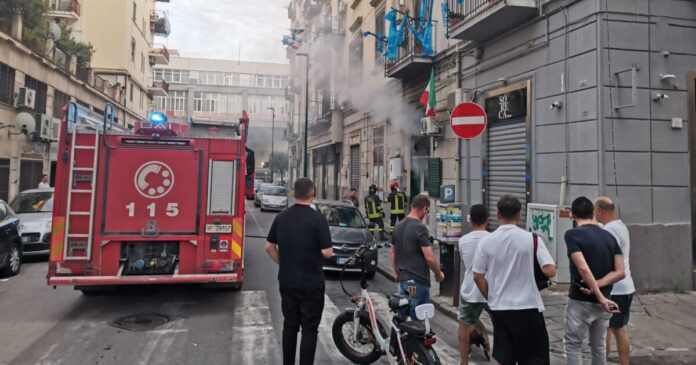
<point x="43" y="184"/>
<point x="472" y="303"/>
<point x="504" y="273"/>
<point x="623" y="291"/>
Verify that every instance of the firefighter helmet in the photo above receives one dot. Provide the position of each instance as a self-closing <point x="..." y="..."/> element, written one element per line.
<point x="394" y="185"/>
<point x="372" y="189"/>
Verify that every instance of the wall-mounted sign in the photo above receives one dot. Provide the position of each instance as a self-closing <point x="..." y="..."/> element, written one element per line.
<point x="507" y="106"/>
<point x="447" y="194"/>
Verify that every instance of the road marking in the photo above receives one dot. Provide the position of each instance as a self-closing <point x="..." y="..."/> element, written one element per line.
<point x="253" y="216"/>
<point x="326" y="334"/>
<point x="253" y="332"/>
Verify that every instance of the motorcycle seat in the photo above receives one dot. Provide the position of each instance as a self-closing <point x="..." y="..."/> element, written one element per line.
<point x="415" y="328"/>
<point x="398" y="302"/>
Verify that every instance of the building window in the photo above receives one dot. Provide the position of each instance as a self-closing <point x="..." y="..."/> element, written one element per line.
<point x="206" y="102"/>
<point x="60" y="99"/>
<point x="142" y="62"/>
<point x="133" y="50"/>
<point x="142" y="99"/>
<point x="135" y="11"/>
<point x="355" y="61"/>
<point x="7" y="81"/>
<point x="41" y="91"/>
<point x="131" y="92"/>
<point x="234" y="103"/>
<point x="160" y="103"/>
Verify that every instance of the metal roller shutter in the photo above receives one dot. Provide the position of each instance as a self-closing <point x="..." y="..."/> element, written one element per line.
<point x="506" y="157"/>
<point x="355" y="166"/>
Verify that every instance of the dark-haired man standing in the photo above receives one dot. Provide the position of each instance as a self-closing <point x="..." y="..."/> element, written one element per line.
<point x="472" y="303"/>
<point x="594" y="253"/>
<point x="504" y="273"/>
<point x="298" y="242"/>
<point x="412" y="257"/>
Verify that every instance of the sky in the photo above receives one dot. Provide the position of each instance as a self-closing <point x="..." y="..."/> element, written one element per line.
<point x="217" y="28"/>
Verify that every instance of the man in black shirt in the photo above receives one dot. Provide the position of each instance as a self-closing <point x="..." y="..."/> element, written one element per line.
<point x="594" y="254"/>
<point x="298" y="242"/>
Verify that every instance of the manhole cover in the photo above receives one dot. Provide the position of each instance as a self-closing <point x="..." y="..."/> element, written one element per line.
<point x="141" y="322"/>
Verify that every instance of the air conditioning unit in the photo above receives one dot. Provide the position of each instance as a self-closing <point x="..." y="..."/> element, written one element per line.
<point x="429" y="127"/>
<point x="45" y="123"/>
<point x="55" y="130"/>
<point x="26" y="98"/>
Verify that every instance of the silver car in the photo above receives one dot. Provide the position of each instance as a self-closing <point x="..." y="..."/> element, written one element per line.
<point x="273" y="197"/>
<point x="35" y="211"/>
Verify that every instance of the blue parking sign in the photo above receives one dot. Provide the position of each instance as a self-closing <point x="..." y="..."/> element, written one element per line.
<point x="447" y="194"/>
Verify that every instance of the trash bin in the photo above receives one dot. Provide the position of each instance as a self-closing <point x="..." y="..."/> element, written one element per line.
<point x="447" y="256"/>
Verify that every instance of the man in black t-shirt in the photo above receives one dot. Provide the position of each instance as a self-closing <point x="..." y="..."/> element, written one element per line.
<point x="298" y="242"/>
<point x="594" y="255"/>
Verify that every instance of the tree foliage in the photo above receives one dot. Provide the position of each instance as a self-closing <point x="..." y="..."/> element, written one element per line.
<point x="280" y="161"/>
<point x="82" y="51"/>
<point x="33" y="17"/>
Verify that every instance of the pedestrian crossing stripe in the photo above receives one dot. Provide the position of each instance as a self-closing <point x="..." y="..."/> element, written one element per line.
<point x="257" y="341"/>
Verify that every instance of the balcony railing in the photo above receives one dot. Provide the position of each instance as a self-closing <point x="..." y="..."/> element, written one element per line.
<point x="65" y="8"/>
<point x="411" y="56"/>
<point x="478" y="20"/>
<point x="159" y="87"/>
<point x="159" y="55"/>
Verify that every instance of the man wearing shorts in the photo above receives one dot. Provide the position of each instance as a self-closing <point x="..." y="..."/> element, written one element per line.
<point x="472" y="303"/>
<point x="504" y="273"/>
<point x="623" y="291"/>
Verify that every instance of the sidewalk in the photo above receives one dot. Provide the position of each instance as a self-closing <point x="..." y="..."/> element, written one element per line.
<point x="662" y="328"/>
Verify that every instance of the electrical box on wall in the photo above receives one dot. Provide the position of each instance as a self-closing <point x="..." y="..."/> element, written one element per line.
<point x="395" y="168"/>
<point x="550" y="223"/>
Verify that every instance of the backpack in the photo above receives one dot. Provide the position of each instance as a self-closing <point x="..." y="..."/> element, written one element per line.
<point x="542" y="282"/>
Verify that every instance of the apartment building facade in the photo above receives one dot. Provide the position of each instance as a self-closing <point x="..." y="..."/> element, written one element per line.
<point x="38" y="78"/>
<point x="218" y="90"/>
<point x="583" y="98"/>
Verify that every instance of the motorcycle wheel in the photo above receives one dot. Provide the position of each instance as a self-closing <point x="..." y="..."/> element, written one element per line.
<point x="362" y="350"/>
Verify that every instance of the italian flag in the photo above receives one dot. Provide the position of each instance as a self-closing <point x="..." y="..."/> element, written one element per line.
<point x="428" y="97"/>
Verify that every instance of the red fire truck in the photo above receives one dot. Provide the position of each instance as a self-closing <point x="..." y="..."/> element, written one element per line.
<point x="158" y="205"/>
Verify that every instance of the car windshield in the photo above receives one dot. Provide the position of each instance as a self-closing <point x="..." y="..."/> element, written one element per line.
<point x="274" y="191"/>
<point x="341" y="216"/>
<point x="33" y="202"/>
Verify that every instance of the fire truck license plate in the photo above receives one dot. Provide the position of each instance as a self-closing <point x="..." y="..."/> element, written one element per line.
<point x="218" y="228"/>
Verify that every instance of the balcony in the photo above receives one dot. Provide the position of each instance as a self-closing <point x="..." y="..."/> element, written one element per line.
<point x="159" y="25"/>
<point x="411" y="59"/>
<point x="312" y="8"/>
<point x="479" y="20"/>
<point x="158" y="87"/>
<point x="159" y="55"/>
<point x="65" y="9"/>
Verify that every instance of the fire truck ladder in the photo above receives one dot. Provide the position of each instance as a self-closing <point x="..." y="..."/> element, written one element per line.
<point x="75" y="150"/>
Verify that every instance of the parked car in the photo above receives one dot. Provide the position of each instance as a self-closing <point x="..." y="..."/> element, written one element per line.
<point x="259" y="193"/>
<point x="10" y="243"/>
<point x="349" y="229"/>
<point x="274" y="198"/>
<point x="35" y="211"/>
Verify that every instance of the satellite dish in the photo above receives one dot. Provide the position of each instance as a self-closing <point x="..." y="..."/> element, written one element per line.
<point x="25" y="120"/>
<point x="54" y="31"/>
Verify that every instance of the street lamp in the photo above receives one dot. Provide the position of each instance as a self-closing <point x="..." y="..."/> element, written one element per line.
<point x="306" y="121"/>
<point x="272" y="138"/>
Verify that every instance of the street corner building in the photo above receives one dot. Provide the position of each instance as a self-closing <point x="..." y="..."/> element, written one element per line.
<point x="582" y="97"/>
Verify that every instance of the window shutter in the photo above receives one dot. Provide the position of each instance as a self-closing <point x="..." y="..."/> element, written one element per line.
<point x="434" y="177"/>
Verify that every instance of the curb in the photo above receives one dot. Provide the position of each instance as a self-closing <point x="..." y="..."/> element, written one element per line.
<point x="447" y="312"/>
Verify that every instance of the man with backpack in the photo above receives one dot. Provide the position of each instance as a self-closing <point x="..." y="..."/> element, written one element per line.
<point x="504" y="273"/>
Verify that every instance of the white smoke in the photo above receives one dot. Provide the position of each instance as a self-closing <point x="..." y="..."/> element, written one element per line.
<point x="377" y="95"/>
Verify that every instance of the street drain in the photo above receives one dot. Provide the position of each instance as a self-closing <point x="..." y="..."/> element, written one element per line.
<point x="141" y="322"/>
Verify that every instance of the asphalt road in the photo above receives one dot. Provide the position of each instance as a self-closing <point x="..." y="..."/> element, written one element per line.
<point x="41" y="325"/>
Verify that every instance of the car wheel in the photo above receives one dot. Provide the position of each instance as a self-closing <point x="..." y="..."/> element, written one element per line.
<point x="14" y="262"/>
<point x="262" y="210"/>
<point x="370" y="274"/>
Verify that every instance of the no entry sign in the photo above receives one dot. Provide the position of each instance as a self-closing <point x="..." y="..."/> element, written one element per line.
<point x="468" y="120"/>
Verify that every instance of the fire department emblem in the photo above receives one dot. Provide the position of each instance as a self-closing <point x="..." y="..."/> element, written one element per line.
<point x="154" y="179"/>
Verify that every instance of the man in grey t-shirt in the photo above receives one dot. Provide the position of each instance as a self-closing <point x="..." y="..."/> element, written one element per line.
<point x="412" y="257"/>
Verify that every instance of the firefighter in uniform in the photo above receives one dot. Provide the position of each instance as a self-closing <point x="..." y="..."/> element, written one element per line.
<point x="373" y="210"/>
<point x="397" y="202"/>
